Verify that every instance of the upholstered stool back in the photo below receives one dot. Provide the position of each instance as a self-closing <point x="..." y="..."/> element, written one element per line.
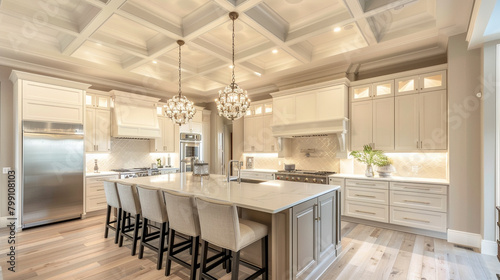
<point x="182" y="213"/>
<point x="152" y="205"/>
<point x="129" y="198"/>
<point x="112" y="197"/>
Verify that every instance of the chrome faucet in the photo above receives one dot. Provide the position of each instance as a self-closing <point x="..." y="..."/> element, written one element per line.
<point x="229" y="178"/>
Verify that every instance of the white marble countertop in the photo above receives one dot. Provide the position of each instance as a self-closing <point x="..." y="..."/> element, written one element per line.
<point x="260" y="170"/>
<point x="393" y="179"/>
<point x="101" y="173"/>
<point x="270" y="197"/>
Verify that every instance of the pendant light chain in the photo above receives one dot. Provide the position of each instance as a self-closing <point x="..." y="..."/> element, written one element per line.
<point x="180" y="70"/>
<point x="234" y="79"/>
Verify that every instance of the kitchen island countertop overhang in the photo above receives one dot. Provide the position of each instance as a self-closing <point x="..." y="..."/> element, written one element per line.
<point x="269" y="197"/>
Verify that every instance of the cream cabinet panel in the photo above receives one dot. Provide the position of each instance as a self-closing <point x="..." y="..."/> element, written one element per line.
<point x="38" y="110"/>
<point x="98" y="101"/>
<point x="253" y="134"/>
<point x="433" y="120"/>
<point x="341" y="193"/>
<point x="328" y="105"/>
<point x="383" y="124"/>
<point x="97" y="130"/>
<point x="367" y="195"/>
<point x="361" y="124"/>
<point x="433" y="81"/>
<point x="419" y="188"/>
<point x="52" y="93"/>
<point x="432" y="202"/>
<point x="305" y="239"/>
<point x="270" y="143"/>
<point x="284" y="110"/>
<point x="407" y="122"/>
<point x="166" y="143"/>
<point x="305" y="107"/>
<point x="90" y="130"/>
<point x="370" y="184"/>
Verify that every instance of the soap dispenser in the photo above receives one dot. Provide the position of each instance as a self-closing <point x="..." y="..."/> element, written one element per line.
<point x="96" y="168"/>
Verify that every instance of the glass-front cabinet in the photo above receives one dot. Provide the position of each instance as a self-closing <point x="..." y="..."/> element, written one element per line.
<point x="421" y="83"/>
<point x="372" y="91"/>
<point x="98" y="101"/>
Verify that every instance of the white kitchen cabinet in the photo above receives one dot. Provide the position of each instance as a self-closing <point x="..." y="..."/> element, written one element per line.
<point x="341" y="193"/>
<point x="97" y="130"/>
<point x="258" y="135"/>
<point x="361" y="124"/>
<point x="257" y="175"/>
<point x="97" y="101"/>
<point x="421" y="121"/>
<point x="367" y="199"/>
<point x="421" y="83"/>
<point x="284" y="110"/>
<point x="372" y="123"/>
<point x="166" y="143"/>
<point x="95" y="199"/>
<point x="375" y="90"/>
<point x="315" y="226"/>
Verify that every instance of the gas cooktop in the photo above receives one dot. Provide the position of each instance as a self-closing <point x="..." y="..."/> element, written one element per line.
<point x="308" y="172"/>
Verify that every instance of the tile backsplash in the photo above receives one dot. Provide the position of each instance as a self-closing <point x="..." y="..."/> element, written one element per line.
<point x="310" y="153"/>
<point x="421" y="165"/>
<point x="127" y="153"/>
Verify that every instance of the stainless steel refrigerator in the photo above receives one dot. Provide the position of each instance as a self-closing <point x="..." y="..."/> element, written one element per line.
<point x="53" y="164"/>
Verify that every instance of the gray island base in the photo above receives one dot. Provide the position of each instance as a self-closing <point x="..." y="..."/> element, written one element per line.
<point x="303" y="219"/>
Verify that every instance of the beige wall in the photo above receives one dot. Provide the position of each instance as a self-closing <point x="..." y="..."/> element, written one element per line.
<point x="464" y="81"/>
<point x="6" y="133"/>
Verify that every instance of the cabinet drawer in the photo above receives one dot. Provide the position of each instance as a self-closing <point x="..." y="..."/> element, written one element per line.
<point x="97" y="180"/>
<point x="336" y="181"/>
<point x="419" y="219"/>
<point x="257" y="175"/>
<point x="432" y="202"/>
<point x="367" y="184"/>
<point x="420" y="188"/>
<point x="377" y="196"/>
<point x="94" y="203"/>
<point x="95" y="190"/>
<point x="374" y="212"/>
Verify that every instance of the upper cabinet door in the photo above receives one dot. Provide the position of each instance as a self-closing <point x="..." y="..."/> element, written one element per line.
<point x="90" y="130"/>
<point x="360" y="93"/>
<point x="361" y="124"/>
<point x="103" y="130"/>
<point x="433" y="81"/>
<point x="406" y="123"/>
<point x="284" y="110"/>
<point x="383" y="89"/>
<point x="433" y="120"/>
<point x="406" y="85"/>
<point x="383" y="124"/>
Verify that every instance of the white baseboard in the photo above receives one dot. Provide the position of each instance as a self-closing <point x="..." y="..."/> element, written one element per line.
<point x="489" y="247"/>
<point x="3" y="222"/>
<point x="464" y="238"/>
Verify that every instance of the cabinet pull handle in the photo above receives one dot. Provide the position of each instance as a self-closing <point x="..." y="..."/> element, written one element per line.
<point x="417" y="220"/>
<point x="365" y="184"/>
<point x="362" y="195"/>
<point x="421" y="147"/>
<point x="366" y="212"/>
<point x="417" y="188"/>
<point x="416" y="201"/>
<point x="316" y="208"/>
<point x="417" y="144"/>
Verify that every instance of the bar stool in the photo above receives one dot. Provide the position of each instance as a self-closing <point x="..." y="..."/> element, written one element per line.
<point x="221" y="226"/>
<point x="183" y="218"/>
<point x="130" y="206"/>
<point x="153" y="209"/>
<point x="113" y="200"/>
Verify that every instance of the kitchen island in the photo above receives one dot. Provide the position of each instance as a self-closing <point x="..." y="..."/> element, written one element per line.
<point x="303" y="219"/>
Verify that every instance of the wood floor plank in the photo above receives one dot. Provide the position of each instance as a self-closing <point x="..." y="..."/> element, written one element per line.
<point x="402" y="263"/>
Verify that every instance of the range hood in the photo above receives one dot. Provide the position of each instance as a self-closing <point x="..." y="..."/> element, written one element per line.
<point x="339" y="127"/>
<point x="134" y="116"/>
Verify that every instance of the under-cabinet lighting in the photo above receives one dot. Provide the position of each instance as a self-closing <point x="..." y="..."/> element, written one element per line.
<point x="261" y="155"/>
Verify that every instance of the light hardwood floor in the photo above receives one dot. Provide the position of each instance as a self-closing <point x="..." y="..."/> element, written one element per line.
<point x="77" y="250"/>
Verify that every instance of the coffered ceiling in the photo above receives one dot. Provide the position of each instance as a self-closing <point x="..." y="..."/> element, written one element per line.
<point x="133" y="42"/>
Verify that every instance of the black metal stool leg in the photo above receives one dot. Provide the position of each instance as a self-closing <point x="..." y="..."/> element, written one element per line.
<point x="136" y="233"/>
<point x="143" y="237"/>
<point x="236" y="266"/>
<point x="171" y="236"/>
<point x="108" y="216"/>
<point x="118" y="221"/>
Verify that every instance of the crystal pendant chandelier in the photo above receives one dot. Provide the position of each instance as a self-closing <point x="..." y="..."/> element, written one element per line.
<point x="179" y="109"/>
<point x="233" y="101"/>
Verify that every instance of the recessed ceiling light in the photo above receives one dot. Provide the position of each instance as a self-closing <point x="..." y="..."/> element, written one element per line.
<point x="231" y="66"/>
<point x="348" y="27"/>
<point x="154" y="61"/>
<point x="337" y="29"/>
<point x="275" y="51"/>
<point x="257" y="73"/>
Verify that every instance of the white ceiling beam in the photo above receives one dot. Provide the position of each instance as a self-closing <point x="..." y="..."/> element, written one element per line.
<point x="225" y="4"/>
<point x="118" y="44"/>
<point x="96" y="3"/>
<point x="365" y="27"/>
<point x="145" y="18"/>
<point x="93" y="25"/>
<point x="203" y="20"/>
<point x="319" y="28"/>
